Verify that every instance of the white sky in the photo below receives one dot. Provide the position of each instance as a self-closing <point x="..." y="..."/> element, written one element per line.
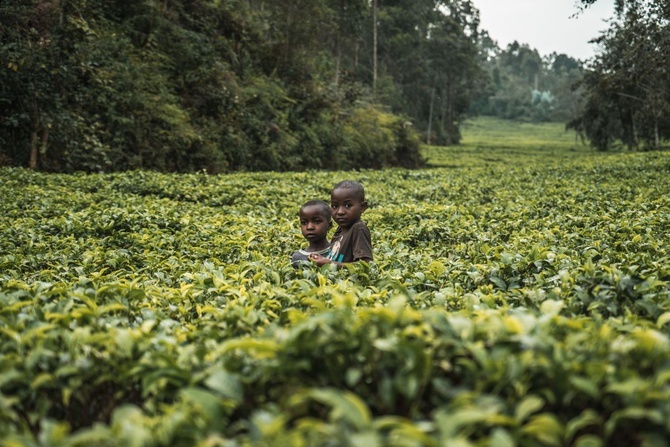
<point x="545" y="25"/>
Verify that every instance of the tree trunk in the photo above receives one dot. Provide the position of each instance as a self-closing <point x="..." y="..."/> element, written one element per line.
<point x="32" y="164"/>
<point x="43" y="143"/>
<point x="338" y="58"/>
<point x="430" y="116"/>
<point x="338" y="42"/>
<point x="374" y="46"/>
<point x="356" y="49"/>
<point x="447" y="114"/>
<point x="34" y="149"/>
<point x="444" y="131"/>
<point x="287" y="46"/>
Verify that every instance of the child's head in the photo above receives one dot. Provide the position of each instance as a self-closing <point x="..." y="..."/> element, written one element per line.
<point x="347" y="202"/>
<point x="315" y="220"/>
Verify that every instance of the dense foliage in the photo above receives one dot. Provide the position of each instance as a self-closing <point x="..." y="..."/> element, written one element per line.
<point x="232" y="85"/>
<point x="626" y="94"/>
<point x="526" y="86"/>
<point x="519" y="296"/>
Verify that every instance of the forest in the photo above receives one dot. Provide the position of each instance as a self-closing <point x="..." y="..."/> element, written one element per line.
<point x="626" y="97"/>
<point x="257" y="85"/>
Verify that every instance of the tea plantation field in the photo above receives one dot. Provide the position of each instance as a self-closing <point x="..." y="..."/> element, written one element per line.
<point x="520" y="296"/>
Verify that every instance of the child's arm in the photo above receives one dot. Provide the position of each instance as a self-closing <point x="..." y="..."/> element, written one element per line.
<point x="322" y="260"/>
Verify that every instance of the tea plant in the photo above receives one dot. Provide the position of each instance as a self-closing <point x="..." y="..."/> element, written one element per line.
<point x="516" y="298"/>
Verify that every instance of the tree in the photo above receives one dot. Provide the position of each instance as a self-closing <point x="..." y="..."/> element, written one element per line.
<point x="627" y="95"/>
<point x="526" y="86"/>
<point x="428" y="49"/>
<point x="455" y="69"/>
<point x="186" y="85"/>
<point x="27" y="76"/>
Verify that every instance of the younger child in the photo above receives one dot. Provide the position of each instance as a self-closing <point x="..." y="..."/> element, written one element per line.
<point x="314" y="225"/>
<point x="351" y="242"/>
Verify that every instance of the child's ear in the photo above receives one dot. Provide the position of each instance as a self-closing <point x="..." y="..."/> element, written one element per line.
<point x="364" y="205"/>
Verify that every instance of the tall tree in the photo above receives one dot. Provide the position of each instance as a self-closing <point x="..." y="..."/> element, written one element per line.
<point x="428" y="49"/>
<point x="454" y="67"/>
<point x="627" y="95"/>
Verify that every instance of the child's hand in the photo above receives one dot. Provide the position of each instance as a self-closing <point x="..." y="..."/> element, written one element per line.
<point x="318" y="259"/>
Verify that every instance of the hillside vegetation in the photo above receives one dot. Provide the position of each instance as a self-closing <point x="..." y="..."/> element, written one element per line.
<point x="519" y="296"/>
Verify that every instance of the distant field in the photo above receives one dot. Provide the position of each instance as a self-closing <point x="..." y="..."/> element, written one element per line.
<point x="491" y="140"/>
<point x="520" y="296"/>
<point x="486" y="132"/>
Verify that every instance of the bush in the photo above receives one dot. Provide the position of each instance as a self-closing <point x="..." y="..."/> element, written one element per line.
<point x="375" y="139"/>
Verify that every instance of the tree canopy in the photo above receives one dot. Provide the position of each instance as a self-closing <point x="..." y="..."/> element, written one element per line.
<point x="626" y="94"/>
<point x="225" y="85"/>
<point x="235" y="85"/>
<point x="527" y="86"/>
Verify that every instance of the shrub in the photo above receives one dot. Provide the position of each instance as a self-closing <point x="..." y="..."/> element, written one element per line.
<point x="374" y="139"/>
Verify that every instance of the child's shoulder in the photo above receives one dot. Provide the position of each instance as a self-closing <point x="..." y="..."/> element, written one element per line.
<point x="359" y="228"/>
<point x="300" y="255"/>
<point x="359" y="224"/>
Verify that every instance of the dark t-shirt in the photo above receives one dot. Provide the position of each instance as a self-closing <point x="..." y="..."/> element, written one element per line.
<point x="351" y="244"/>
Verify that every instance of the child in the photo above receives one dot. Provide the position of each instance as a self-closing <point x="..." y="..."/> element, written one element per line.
<point x="351" y="242"/>
<point x="314" y="225"/>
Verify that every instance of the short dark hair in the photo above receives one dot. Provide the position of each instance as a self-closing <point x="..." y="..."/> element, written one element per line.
<point x="324" y="208"/>
<point x="352" y="184"/>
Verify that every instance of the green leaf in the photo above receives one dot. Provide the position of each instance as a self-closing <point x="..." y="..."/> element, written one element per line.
<point x="499" y="282"/>
<point x="208" y="403"/>
<point x="450" y="423"/>
<point x="551" y="307"/>
<point x="628" y="387"/>
<point x="89" y="436"/>
<point x="501" y="438"/>
<point x="43" y="380"/>
<point x="529" y="405"/>
<point x="589" y="441"/>
<point x="545" y="428"/>
<point x="588" y="418"/>
<point x="226" y="384"/>
<point x="344" y="406"/>
<point x="585" y="385"/>
<point x="366" y="439"/>
<point x="636" y="414"/>
<point x="124" y="340"/>
<point x="129" y="425"/>
<point x="259" y="348"/>
<point x="405" y="429"/>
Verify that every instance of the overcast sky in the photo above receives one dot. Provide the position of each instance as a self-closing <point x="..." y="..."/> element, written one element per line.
<point x="545" y="25"/>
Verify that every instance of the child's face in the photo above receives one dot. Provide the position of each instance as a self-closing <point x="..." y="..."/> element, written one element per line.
<point x="346" y="206"/>
<point x="313" y="224"/>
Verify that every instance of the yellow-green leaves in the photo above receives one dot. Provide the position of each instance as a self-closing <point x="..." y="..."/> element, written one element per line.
<point x="520" y="303"/>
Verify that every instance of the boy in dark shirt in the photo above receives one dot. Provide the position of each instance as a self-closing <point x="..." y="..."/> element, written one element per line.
<point x="314" y="224"/>
<point x="351" y="242"/>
